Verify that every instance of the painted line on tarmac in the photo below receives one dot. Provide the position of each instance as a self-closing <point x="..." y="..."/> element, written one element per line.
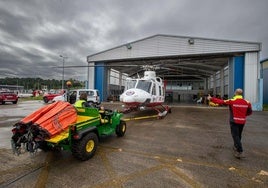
<point x="43" y="176"/>
<point x="140" y="118"/>
<point x="10" y="182"/>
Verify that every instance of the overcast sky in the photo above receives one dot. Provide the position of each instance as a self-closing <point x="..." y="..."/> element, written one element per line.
<point x="34" y="33"/>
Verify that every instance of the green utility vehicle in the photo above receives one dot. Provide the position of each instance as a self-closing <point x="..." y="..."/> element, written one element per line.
<point x="81" y="138"/>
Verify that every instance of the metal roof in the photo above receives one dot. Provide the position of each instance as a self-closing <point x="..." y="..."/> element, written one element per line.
<point x="176" y="57"/>
<point x="264" y="60"/>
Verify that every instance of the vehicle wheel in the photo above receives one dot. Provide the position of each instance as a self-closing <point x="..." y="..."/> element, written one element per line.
<point x="45" y="100"/>
<point x="90" y="103"/>
<point x="43" y="146"/>
<point x="15" y="102"/>
<point x="85" y="148"/>
<point x="3" y="102"/>
<point x="121" y="129"/>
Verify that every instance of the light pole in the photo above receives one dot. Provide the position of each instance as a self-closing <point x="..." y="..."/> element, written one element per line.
<point x="63" y="61"/>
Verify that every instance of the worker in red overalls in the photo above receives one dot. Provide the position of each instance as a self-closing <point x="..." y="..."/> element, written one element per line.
<point x="239" y="110"/>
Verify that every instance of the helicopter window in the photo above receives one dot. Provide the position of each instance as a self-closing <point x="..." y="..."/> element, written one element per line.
<point x="130" y="84"/>
<point x="154" y="90"/>
<point x="144" y="85"/>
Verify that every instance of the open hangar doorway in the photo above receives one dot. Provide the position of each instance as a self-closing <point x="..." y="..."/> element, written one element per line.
<point x="187" y="78"/>
<point x="191" y="67"/>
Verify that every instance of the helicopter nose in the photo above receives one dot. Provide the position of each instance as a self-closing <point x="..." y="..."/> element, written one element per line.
<point x="128" y="99"/>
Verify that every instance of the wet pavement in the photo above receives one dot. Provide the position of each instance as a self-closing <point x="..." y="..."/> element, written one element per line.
<point x="10" y="113"/>
<point x="191" y="147"/>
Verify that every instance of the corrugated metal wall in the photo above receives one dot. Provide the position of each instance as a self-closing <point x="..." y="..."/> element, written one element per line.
<point x="163" y="45"/>
<point x="265" y="81"/>
<point x="251" y="76"/>
<point x="91" y="76"/>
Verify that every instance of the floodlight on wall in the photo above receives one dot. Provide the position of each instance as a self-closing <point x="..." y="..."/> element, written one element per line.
<point x="128" y="45"/>
<point x="191" y="41"/>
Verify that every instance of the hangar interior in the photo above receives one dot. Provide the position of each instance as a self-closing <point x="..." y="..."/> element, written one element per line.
<point x="191" y="67"/>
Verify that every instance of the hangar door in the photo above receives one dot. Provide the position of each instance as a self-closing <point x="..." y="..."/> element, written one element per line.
<point x="190" y="65"/>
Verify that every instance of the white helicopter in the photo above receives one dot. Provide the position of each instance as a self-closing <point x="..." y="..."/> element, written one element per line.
<point x="142" y="93"/>
<point x="145" y="92"/>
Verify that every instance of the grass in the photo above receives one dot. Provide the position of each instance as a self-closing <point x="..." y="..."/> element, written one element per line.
<point x="31" y="98"/>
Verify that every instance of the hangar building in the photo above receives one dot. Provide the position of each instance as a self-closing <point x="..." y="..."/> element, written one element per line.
<point x="191" y="67"/>
<point x="264" y="75"/>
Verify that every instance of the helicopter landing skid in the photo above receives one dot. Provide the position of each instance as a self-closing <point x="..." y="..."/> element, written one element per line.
<point x="162" y="112"/>
<point x="128" y="110"/>
<point x="160" y="109"/>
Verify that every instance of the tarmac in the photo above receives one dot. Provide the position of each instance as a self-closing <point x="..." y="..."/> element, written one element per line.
<point x="190" y="147"/>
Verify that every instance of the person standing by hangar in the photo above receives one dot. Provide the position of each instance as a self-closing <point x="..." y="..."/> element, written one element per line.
<point x="239" y="110"/>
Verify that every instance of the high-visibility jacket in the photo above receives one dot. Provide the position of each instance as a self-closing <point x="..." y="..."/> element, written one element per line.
<point x="239" y="108"/>
<point x="79" y="104"/>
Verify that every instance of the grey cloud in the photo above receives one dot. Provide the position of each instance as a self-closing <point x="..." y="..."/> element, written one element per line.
<point x="34" y="33"/>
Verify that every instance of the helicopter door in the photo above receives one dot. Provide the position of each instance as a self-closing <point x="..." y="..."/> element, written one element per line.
<point x="154" y="94"/>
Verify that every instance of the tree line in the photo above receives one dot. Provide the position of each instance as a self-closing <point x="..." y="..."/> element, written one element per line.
<point x="39" y="83"/>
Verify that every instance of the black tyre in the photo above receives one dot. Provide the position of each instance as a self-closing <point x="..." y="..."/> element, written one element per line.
<point x="90" y="103"/>
<point x="121" y="129"/>
<point x="43" y="146"/>
<point x="15" y="102"/>
<point x="45" y="99"/>
<point x="86" y="147"/>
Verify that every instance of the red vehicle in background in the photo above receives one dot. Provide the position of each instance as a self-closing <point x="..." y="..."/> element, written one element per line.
<point x="50" y="96"/>
<point x="8" y="96"/>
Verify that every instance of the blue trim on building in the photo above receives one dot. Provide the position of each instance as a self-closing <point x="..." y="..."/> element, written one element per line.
<point x="231" y="77"/>
<point x="239" y="66"/>
<point x="264" y="75"/>
<point x="99" y="79"/>
<point x="265" y="86"/>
